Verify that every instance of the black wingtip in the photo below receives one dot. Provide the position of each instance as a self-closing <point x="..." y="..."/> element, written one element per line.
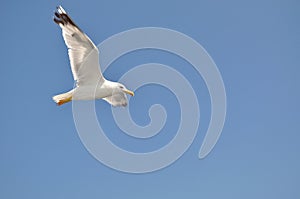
<point x="61" y="17"/>
<point x="56" y="14"/>
<point x="57" y="21"/>
<point x="60" y="10"/>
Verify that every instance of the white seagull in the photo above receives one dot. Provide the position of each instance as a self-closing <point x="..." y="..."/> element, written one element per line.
<point x="84" y="60"/>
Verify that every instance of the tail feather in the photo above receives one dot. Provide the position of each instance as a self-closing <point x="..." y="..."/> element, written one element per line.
<point x="63" y="98"/>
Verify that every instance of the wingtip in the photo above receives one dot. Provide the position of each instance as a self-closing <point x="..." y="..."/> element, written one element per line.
<point x="60" y="10"/>
<point x="58" y="15"/>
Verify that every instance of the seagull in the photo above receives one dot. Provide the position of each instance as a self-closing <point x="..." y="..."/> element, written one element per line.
<point x="84" y="61"/>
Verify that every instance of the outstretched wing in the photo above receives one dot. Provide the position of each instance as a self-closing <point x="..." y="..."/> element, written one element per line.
<point x="83" y="54"/>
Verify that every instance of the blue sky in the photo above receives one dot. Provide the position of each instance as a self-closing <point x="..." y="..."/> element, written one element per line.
<point x="255" y="45"/>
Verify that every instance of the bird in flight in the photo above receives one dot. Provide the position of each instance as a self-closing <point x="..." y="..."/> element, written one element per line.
<point x="84" y="61"/>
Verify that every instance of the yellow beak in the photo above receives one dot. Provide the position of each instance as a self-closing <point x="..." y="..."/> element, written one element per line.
<point x="129" y="92"/>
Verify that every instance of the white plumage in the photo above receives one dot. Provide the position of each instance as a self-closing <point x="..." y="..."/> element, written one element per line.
<point x="84" y="61"/>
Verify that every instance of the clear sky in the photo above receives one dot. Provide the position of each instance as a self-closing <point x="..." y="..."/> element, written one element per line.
<point x="255" y="45"/>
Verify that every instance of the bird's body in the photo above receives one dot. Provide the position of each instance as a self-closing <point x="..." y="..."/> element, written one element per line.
<point x="84" y="60"/>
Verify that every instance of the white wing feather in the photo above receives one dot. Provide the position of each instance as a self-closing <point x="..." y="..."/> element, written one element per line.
<point x="83" y="54"/>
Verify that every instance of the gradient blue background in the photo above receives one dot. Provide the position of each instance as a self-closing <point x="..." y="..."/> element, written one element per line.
<point x="255" y="45"/>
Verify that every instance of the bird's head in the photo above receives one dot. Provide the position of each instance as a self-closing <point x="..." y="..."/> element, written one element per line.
<point x="122" y="88"/>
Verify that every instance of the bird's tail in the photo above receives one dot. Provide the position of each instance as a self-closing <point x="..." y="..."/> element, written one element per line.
<point x="63" y="98"/>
